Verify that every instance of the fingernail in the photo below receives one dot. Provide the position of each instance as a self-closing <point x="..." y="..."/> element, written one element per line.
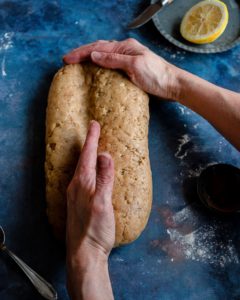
<point x="103" y="161"/>
<point x="96" y="55"/>
<point x="92" y="122"/>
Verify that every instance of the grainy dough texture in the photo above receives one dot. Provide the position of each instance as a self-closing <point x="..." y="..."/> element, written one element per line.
<point x="78" y="94"/>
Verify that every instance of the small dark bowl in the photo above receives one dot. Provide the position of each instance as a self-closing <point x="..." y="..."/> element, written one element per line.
<point x="218" y="188"/>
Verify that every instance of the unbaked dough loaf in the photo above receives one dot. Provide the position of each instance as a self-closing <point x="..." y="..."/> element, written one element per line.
<point x="78" y="94"/>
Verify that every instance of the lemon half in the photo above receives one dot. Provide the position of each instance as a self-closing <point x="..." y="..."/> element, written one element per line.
<point x="204" y="22"/>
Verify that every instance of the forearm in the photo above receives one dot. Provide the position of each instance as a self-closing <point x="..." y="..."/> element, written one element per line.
<point x="219" y="106"/>
<point x="89" y="279"/>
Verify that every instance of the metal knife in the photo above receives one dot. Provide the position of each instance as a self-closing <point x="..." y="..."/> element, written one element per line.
<point x="148" y="13"/>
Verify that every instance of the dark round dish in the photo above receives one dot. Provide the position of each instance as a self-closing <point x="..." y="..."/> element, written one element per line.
<point x="169" y="18"/>
<point x="218" y="188"/>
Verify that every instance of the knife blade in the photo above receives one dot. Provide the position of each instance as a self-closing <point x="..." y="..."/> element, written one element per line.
<point x="148" y="13"/>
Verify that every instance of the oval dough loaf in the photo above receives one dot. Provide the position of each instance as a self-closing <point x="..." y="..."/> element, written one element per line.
<point x="78" y="94"/>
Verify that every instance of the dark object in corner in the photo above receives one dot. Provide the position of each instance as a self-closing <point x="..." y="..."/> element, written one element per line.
<point x="219" y="188"/>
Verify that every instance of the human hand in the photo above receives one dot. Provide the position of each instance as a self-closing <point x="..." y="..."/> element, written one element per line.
<point x="147" y="70"/>
<point x="90" y="216"/>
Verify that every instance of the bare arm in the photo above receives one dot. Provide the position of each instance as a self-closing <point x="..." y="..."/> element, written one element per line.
<point x="90" y="223"/>
<point x="88" y="277"/>
<point x="156" y="76"/>
<point x="219" y="106"/>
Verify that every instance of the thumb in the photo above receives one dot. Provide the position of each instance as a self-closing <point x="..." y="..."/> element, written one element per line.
<point x="105" y="177"/>
<point x="111" y="60"/>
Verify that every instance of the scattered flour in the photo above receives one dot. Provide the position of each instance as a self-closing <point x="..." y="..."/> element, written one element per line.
<point x="3" y="67"/>
<point x="80" y="23"/>
<point x="208" y="241"/>
<point x="5" y="44"/>
<point x="201" y="245"/>
<point x="196" y="172"/>
<point x="119" y="259"/>
<point x="6" y="41"/>
<point x="182" y="109"/>
<point x="186" y="215"/>
<point x="180" y="153"/>
<point x="195" y="126"/>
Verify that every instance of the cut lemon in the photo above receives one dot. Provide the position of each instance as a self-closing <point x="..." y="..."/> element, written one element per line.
<point x="204" y="22"/>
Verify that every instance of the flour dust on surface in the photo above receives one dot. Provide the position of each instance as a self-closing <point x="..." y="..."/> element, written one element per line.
<point x="194" y="236"/>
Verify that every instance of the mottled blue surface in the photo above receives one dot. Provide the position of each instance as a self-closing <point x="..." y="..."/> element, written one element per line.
<point x="185" y="252"/>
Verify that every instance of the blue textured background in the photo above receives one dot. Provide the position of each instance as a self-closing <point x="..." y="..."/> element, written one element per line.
<point x="185" y="252"/>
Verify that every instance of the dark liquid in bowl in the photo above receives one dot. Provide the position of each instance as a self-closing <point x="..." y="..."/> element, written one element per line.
<point x="221" y="185"/>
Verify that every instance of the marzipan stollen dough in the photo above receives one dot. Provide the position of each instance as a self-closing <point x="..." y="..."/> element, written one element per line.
<point x="78" y="94"/>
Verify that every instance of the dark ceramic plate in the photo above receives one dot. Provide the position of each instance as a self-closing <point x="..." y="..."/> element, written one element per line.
<point x="168" y="22"/>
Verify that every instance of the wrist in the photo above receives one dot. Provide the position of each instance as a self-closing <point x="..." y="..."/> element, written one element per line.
<point x="87" y="271"/>
<point x="187" y="85"/>
<point x="86" y="257"/>
<point x="176" y="83"/>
